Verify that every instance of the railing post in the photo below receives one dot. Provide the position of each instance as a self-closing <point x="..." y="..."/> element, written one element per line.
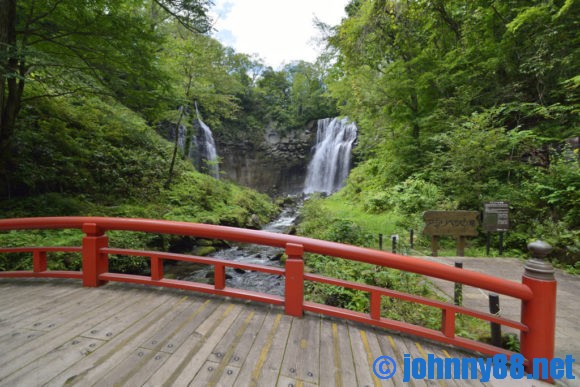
<point x="539" y="313"/>
<point x="39" y="261"/>
<point x="448" y="322"/>
<point x="294" y="287"/>
<point x="156" y="268"/>
<point x="375" y="305"/>
<point x="94" y="262"/>
<point x="219" y="276"/>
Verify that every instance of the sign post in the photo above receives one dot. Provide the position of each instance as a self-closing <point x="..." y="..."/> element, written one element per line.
<point x="496" y="219"/>
<point x="455" y="223"/>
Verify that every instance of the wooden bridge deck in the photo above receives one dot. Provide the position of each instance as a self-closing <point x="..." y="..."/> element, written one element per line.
<point x="55" y="333"/>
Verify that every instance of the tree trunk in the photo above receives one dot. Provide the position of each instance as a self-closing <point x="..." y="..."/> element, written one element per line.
<point x="10" y="87"/>
<point x="175" y="146"/>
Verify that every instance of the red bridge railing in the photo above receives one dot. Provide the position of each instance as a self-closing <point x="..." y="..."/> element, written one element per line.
<point x="537" y="290"/>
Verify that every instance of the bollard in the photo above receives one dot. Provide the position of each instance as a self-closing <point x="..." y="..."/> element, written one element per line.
<point x="380" y="241"/>
<point x="495" y="327"/>
<point x="458" y="291"/>
<point x="539" y="313"/>
<point x="487" y="243"/>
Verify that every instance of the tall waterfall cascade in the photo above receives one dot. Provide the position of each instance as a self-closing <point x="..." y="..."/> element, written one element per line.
<point x="198" y="145"/>
<point x="206" y="150"/>
<point x="331" y="162"/>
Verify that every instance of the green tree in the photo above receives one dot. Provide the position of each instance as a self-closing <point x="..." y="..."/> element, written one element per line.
<point x="475" y="97"/>
<point x="65" y="48"/>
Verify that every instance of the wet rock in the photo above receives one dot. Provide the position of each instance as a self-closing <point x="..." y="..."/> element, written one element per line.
<point x="203" y="251"/>
<point x="277" y="257"/>
<point x="254" y="222"/>
<point x="210" y="275"/>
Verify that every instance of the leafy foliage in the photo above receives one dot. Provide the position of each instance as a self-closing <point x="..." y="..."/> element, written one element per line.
<point x="323" y="218"/>
<point x="462" y="103"/>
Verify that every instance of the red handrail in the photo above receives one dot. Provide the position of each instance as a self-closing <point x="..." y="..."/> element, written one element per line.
<point x="95" y="251"/>
<point x="380" y="258"/>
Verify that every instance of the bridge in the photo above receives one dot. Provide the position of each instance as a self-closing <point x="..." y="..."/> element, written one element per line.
<point x="193" y="334"/>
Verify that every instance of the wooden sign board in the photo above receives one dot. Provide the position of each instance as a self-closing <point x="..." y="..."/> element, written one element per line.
<point x="457" y="223"/>
<point x="496" y="216"/>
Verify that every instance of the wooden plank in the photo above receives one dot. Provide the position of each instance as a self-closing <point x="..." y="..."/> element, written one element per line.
<point x="59" y="359"/>
<point x="393" y="349"/>
<point x="245" y="327"/>
<point x="447" y="353"/>
<point x="404" y="343"/>
<point x="164" y="339"/>
<point x="302" y="356"/>
<point x="255" y="345"/>
<point x="330" y="361"/>
<point x="373" y="350"/>
<point x="443" y="353"/>
<point x="160" y="344"/>
<point x="134" y="370"/>
<point x="31" y="306"/>
<point x="415" y="353"/>
<point x="211" y="375"/>
<point x="25" y="293"/>
<point x="49" y="305"/>
<point x="60" y="314"/>
<point x="189" y="358"/>
<point x="366" y="349"/>
<point x="419" y="351"/>
<point x="153" y="363"/>
<point x="235" y="345"/>
<point x="106" y="304"/>
<point x="360" y="356"/>
<point x="285" y="381"/>
<point x="112" y="326"/>
<point x="95" y="367"/>
<point x="264" y="360"/>
<point x="336" y="360"/>
<point x="19" y="337"/>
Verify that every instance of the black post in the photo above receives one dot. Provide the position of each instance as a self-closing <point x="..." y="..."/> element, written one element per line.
<point x="394" y="243"/>
<point x="487" y="243"/>
<point x="500" y="243"/>
<point x="495" y="327"/>
<point x="411" y="232"/>
<point x="380" y="241"/>
<point x="458" y="291"/>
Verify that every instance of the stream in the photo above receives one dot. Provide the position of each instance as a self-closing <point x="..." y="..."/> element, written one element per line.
<point x="254" y="254"/>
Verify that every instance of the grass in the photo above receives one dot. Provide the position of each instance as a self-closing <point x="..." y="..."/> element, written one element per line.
<point x="373" y="224"/>
<point x="335" y="218"/>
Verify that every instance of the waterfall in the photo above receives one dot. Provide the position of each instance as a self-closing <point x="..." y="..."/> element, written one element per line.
<point x="207" y="156"/>
<point x="330" y="163"/>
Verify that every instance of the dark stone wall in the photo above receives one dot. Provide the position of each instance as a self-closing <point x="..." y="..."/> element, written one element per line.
<point x="276" y="165"/>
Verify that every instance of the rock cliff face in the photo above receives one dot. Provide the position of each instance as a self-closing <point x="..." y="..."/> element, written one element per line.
<point x="276" y="165"/>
